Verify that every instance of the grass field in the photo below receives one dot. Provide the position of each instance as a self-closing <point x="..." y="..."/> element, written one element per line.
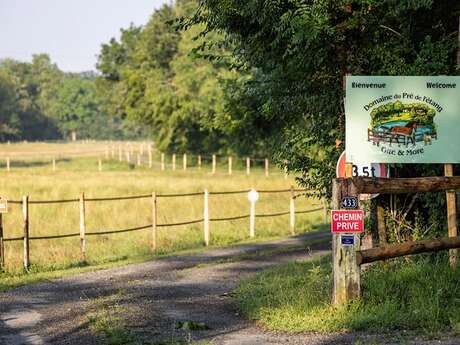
<point x="420" y="296"/>
<point x="34" y="177"/>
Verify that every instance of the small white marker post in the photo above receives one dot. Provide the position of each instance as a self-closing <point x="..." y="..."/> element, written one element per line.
<point x="184" y="161"/>
<point x="174" y="161"/>
<point x="7" y="163"/>
<point x="248" y="166"/>
<point x="213" y="164"/>
<point x="229" y="165"/>
<point x="199" y="162"/>
<point x="253" y="196"/>
<point x="292" y="211"/>
<point x="266" y="167"/>
<point x="162" y="161"/>
<point x="120" y="155"/>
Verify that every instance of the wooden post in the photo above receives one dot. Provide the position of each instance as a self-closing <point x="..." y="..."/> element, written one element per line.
<point x="266" y="167"/>
<point x="229" y="165"/>
<point x="7" y="163"/>
<point x="174" y="161"/>
<point x="2" y="246"/>
<point x="184" y="162"/>
<point x="381" y="228"/>
<point x="248" y="166"/>
<point x="139" y="162"/>
<point x="141" y="148"/>
<point x="451" y="215"/>
<point x="346" y="272"/>
<point x="252" y="219"/>
<point x="162" y="161"/>
<point x="112" y="151"/>
<point x="128" y="156"/>
<point x="54" y="164"/>
<point x="150" y="155"/>
<point x="213" y="164"/>
<point x="285" y="172"/>
<point x="154" y="221"/>
<point x="120" y="155"/>
<point x="99" y="164"/>
<point x="199" y="162"/>
<point x="25" y="216"/>
<point x="107" y="152"/>
<point x="206" y="218"/>
<point x="82" y="227"/>
<point x="292" y="211"/>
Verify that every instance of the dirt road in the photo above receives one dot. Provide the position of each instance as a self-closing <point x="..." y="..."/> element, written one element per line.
<point x="154" y="299"/>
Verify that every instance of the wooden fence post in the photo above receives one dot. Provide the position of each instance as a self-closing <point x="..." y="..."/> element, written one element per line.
<point x="174" y="161"/>
<point x="213" y="164"/>
<point x="229" y="165"/>
<point x="112" y="151"/>
<point x="162" y="161"/>
<point x="199" y="162"/>
<point x="82" y="227"/>
<point x="292" y="212"/>
<point x="7" y="163"/>
<point x="120" y="155"/>
<point x="128" y="157"/>
<point x="2" y="246"/>
<point x="451" y="215"/>
<point x="99" y="164"/>
<point x="107" y="152"/>
<point x="150" y="155"/>
<point x="154" y="221"/>
<point x="25" y="216"/>
<point x="139" y="162"/>
<point x="346" y="271"/>
<point x="248" y="166"/>
<point x="266" y="167"/>
<point x="206" y="218"/>
<point x="184" y="162"/>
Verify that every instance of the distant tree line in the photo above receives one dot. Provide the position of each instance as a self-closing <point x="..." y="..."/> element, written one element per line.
<point x="40" y="102"/>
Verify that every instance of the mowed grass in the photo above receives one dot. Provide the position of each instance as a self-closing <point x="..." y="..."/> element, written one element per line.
<point x="36" y="179"/>
<point x="421" y="296"/>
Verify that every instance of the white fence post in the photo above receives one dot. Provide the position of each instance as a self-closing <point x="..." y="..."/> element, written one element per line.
<point x="206" y="217"/>
<point x="162" y="161"/>
<point x="174" y="161"/>
<point x="292" y="211"/>
<point x="184" y="161"/>
<point x="82" y="227"/>
<point x="99" y="165"/>
<point x="150" y="155"/>
<point x="229" y="165"/>
<point x="248" y="166"/>
<point x="199" y="162"/>
<point x="213" y="164"/>
<point x="266" y="167"/>
<point x="253" y="196"/>
<point x="154" y="221"/>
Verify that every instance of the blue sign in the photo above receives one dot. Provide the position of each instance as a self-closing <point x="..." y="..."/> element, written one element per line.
<point x="350" y="202"/>
<point x="348" y="240"/>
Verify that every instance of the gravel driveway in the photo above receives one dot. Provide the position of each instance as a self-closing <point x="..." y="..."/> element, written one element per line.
<point x="155" y="298"/>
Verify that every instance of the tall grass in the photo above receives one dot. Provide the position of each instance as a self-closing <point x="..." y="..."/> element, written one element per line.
<point x="118" y="179"/>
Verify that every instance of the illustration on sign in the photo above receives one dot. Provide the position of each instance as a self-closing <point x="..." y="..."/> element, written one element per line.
<point x="402" y="119"/>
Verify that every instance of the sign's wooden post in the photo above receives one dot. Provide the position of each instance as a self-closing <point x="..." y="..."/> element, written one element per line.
<point x="154" y="221"/>
<point x="25" y="215"/>
<point x="206" y="217"/>
<point x="82" y="227"/>
<point x="381" y="224"/>
<point x="346" y="272"/>
<point x="451" y="214"/>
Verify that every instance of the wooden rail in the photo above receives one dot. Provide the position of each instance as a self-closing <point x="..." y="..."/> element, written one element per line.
<point x="407" y="248"/>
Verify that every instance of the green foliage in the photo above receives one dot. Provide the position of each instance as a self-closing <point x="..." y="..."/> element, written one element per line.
<point x="296" y="53"/>
<point x="38" y="101"/>
<point x="422" y="295"/>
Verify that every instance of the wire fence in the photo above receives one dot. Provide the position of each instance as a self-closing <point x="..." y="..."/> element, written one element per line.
<point x="154" y="224"/>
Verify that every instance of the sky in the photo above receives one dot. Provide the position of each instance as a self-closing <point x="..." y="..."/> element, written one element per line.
<point x="70" y="31"/>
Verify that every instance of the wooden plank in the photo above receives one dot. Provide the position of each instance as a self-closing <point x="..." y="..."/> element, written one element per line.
<point x="451" y="215"/>
<point x="407" y="248"/>
<point x="372" y="185"/>
<point x="346" y="272"/>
